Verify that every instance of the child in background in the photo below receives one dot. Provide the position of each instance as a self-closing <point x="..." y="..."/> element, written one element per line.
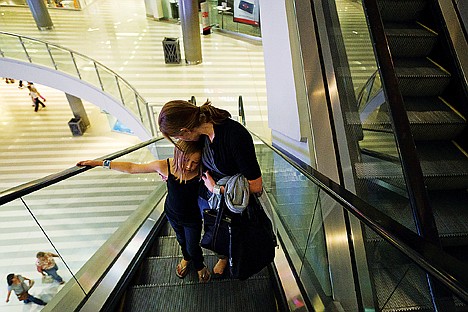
<point x="182" y="174"/>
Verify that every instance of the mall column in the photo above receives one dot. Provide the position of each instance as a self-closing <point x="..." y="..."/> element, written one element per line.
<point x="80" y="122"/>
<point x="190" y="23"/>
<point x="41" y="14"/>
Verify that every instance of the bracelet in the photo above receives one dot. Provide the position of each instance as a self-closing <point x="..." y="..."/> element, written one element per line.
<point x="106" y="164"/>
<point x="217" y="189"/>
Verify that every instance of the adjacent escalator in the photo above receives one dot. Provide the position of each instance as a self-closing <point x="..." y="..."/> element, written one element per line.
<point x="436" y="103"/>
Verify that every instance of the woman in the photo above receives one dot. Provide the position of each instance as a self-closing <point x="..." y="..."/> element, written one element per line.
<point x="45" y="263"/>
<point x="34" y="94"/>
<point x="228" y="147"/>
<point x="182" y="174"/>
<point x="17" y="283"/>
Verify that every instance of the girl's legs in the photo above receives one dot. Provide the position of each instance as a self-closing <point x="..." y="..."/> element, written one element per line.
<point x="34" y="299"/>
<point x="53" y="272"/>
<point x="36" y="104"/>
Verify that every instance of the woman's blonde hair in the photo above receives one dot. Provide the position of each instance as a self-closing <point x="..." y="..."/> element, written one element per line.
<point x="182" y="151"/>
<point x="178" y="114"/>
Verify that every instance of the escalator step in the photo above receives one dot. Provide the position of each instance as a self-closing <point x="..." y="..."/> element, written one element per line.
<point x="161" y="270"/>
<point x="430" y="119"/>
<point x="410" y="40"/>
<point x="401" y="10"/>
<point x="420" y="77"/>
<point x="159" y="289"/>
<point x="254" y="294"/>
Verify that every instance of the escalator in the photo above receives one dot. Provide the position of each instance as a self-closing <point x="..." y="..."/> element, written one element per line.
<point x="436" y="101"/>
<point x="155" y="287"/>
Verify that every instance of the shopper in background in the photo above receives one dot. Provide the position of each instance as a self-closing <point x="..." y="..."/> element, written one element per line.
<point x="45" y="263"/>
<point x="17" y="283"/>
<point x="34" y="94"/>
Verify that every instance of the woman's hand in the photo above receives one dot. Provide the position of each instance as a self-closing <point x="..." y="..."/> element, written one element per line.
<point x="91" y="163"/>
<point x="208" y="180"/>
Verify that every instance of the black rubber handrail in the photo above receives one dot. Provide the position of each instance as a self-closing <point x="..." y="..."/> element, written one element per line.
<point x="412" y="172"/>
<point x="35" y="185"/>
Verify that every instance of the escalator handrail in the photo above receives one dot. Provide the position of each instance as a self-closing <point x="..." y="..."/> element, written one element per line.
<point x="35" y="185"/>
<point x="430" y="257"/>
<point x="419" y="200"/>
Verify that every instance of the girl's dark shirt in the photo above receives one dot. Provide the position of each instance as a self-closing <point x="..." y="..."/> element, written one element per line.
<point x="182" y="199"/>
<point x="234" y="151"/>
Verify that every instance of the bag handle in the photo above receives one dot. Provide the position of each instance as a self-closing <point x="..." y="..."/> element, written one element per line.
<point x="219" y="217"/>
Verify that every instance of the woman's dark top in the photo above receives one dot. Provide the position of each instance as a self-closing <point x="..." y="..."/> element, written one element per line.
<point x="234" y="151"/>
<point x="181" y="203"/>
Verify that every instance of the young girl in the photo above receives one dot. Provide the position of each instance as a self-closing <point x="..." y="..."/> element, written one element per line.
<point x="183" y="180"/>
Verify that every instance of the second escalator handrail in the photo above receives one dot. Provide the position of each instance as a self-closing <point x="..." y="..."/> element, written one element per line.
<point x="430" y="257"/>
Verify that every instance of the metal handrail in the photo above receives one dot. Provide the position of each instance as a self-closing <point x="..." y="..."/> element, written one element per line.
<point x="429" y="256"/>
<point x="35" y="185"/>
<point x="119" y="81"/>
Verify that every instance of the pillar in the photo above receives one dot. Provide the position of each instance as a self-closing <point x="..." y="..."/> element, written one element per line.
<point x="190" y="23"/>
<point x="41" y="14"/>
<point x="78" y="109"/>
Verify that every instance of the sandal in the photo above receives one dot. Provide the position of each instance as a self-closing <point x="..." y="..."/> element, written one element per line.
<point x="219" y="268"/>
<point x="182" y="270"/>
<point x="204" y="275"/>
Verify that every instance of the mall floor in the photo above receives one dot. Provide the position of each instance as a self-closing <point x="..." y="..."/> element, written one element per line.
<point x="118" y="34"/>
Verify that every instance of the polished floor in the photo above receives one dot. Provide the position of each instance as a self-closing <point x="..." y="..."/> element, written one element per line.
<point x="33" y="145"/>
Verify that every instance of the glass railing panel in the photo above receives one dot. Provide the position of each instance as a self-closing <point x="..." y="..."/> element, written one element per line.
<point x="63" y="60"/>
<point x="38" y="52"/>
<point x="87" y="69"/>
<point x="399" y="283"/>
<point x="129" y="98"/>
<point x="109" y="82"/>
<point x="11" y="47"/>
<point x="375" y="159"/>
<point x="21" y="238"/>
<point x="315" y="266"/>
<point x="298" y="205"/>
<point x="79" y="214"/>
<point x="145" y="117"/>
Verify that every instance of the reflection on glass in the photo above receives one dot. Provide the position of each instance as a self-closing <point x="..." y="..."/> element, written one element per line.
<point x="374" y="156"/>
<point x="298" y="204"/>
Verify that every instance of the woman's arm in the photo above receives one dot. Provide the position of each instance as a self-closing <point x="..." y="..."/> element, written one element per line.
<point x="8" y="295"/>
<point x="256" y="186"/>
<point x="159" y="166"/>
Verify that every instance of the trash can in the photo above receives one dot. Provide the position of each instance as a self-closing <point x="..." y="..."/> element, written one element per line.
<point x="171" y="50"/>
<point x="175" y="10"/>
<point x="77" y="126"/>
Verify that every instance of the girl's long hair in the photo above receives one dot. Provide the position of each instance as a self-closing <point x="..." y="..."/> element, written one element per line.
<point x="182" y="151"/>
<point x="178" y="114"/>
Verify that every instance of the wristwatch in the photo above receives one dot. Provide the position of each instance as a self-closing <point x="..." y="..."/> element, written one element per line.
<point x="106" y="164"/>
<point x="217" y="189"/>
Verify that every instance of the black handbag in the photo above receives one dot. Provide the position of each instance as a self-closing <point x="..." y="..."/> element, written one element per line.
<point x="247" y="239"/>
